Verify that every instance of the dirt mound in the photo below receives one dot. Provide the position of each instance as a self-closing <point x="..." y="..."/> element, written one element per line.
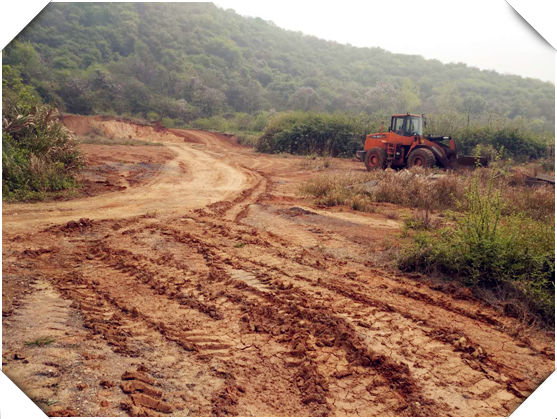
<point x="187" y="136"/>
<point x="82" y="125"/>
<point x="145" y="133"/>
<point x="72" y="227"/>
<point x="156" y="132"/>
<point x="209" y="138"/>
<point x="230" y="139"/>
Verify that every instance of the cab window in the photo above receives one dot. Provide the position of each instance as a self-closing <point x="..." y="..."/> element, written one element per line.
<point x="398" y="125"/>
<point x="414" y="126"/>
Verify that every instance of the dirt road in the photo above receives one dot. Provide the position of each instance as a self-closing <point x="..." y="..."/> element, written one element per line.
<point x="212" y="288"/>
<point x="208" y="180"/>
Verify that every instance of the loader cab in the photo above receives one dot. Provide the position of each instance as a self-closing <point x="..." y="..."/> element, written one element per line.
<point x="407" y="125"/>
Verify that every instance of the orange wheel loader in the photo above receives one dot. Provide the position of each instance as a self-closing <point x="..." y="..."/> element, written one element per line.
<point x="404" y="145"/>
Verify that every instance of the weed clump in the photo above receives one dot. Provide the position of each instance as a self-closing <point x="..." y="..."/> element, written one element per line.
<point x="421" y="220"/>
<point x="40" y="341"/>
<point x="513" y="256"/>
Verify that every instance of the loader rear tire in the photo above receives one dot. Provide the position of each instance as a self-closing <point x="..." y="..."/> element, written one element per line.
<point x="421" y="157"/>
<point x="376" y="158"/>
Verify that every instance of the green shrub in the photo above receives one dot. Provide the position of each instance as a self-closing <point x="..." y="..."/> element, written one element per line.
<point x="485" y="250"/>
<point x="313" y="133"/>
<point x="38" y="162"/>
<point x="153" y="116"/>
<point x="168" y="122"/>
<point x="214" y="123"/>
<point x="248" y="139"/>
<point x="518" y="142"/>
<point x="39" y="154"/>
<point x="260" y="122"/>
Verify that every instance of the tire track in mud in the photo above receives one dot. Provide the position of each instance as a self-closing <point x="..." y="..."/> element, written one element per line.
<point x="131" y="333"/>
<point x="253" y="308"/>
<point x="373" y="303"/>
<point x="324" y="338"/>
<point x="472" y="352"/>
<point x="308" y="374"/>
<point x="169" y="323"/>
<point x="197" y="340"/>
<point x="238" y="208"/>
<point x="333" y="270"/>
<point x="145" y="398"/>
<point x="221" y="318"/>
<point x="467" y="347"/>
<point x="320" y="269"/>
<point x="384" y="364"/>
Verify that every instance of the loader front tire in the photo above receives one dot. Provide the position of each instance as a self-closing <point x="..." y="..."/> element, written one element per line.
<point x="376" y="158"/>
<point x="421" y="157"/>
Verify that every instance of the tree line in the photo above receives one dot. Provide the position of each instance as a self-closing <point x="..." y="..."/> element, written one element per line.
<point x="185" y="61"/>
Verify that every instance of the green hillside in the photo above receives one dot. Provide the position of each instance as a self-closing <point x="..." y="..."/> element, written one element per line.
<point x="194" y="60"/>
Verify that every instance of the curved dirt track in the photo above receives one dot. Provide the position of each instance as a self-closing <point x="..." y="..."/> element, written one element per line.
<point x="238" y="298"/>
<point x="207" y="180"/>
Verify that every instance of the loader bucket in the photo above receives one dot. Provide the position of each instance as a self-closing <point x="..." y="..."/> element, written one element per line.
<point x="470" y="162"/>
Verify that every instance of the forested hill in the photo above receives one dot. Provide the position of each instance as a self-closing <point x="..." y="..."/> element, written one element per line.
<point x="190" y="60"/>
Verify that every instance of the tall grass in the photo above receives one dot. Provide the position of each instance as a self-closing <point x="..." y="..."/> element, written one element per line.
<point x="410" y="188"/>
<point x="511" y="255"/>
<point x="416" y="188"/>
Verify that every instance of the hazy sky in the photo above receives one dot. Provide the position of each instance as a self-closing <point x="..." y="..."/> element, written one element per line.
<point x="486" y="34"/>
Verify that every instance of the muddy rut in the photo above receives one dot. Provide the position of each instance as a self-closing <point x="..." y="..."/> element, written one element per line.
<point x="202" y="292"/>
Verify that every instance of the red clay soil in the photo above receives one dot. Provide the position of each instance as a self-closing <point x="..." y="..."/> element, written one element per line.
<point x="80" y="125"/>
<point x="118" y="167"/>
<point x="119" y="128"/>
<point x="122" y="128"/>
<point x="216" y="290"/>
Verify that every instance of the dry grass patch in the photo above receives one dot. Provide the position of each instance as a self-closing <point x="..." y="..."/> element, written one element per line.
<point x="314" y="162"/>
<point x="407" y="188"/>
<point x="426" y="189"/>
